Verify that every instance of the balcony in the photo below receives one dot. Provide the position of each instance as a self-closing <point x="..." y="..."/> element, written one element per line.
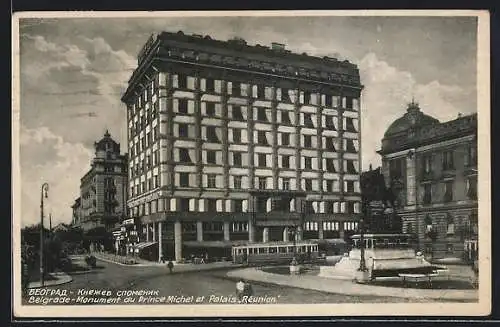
<point x="427" y="176"/>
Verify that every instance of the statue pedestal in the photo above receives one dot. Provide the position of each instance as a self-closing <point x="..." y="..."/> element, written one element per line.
<point x="362" y="277"/>
<point x="294" y="269"/>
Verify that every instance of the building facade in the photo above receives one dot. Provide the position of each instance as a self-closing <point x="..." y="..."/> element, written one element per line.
<point x="432" y="169"/>
<point x="231" y="142"/>
<point x="103" y="189"/>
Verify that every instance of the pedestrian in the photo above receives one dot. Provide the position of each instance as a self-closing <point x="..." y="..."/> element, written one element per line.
<point x="206" y="257"/>
<point x="248" y="289"/>
<point x="170" y="266"/>
<point x="162" y="259"/>
<point x="240" y="289"/>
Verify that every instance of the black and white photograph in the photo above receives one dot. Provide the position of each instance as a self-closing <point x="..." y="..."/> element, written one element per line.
<point x="277" y="163"/>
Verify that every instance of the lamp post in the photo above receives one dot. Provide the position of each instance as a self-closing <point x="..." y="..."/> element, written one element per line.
<point x="44" y="194"/>
<point x="362" y="263"/>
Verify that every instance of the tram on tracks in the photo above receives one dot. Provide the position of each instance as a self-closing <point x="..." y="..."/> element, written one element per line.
<point x="275" y="252"/>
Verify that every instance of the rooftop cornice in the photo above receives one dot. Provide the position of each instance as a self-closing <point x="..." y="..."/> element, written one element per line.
<point x="199" y="50"/>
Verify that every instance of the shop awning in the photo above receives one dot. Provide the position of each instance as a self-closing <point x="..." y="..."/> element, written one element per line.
<point x="213" y="244"/>
<point x="144" y="245"/>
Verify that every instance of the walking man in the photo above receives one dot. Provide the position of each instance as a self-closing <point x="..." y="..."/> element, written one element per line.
<point x="170" y="266"/>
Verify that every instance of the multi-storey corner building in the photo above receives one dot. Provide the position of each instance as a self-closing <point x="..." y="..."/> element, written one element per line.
<point x="229" y="141"/>
<point x="103" y="189"/>
<point x="432" y="169"/>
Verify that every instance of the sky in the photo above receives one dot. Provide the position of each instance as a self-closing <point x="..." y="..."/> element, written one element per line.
<point x="73" y="72"/>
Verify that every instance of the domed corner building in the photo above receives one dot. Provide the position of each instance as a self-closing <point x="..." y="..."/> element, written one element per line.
<point x="431" y="168"/>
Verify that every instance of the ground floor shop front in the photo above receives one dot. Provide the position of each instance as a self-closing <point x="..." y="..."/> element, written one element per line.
<point x="211" y="238"/>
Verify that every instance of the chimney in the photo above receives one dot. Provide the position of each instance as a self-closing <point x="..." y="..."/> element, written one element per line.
<point x="459" y="115"/>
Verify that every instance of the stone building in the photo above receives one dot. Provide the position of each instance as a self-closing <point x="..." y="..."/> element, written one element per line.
<point x="103" y="189"/>
<point x="432" y="169"/>
<point x="231" y="142"/>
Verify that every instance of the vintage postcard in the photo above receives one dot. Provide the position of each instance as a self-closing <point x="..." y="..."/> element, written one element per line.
<point x="251" y="164"/>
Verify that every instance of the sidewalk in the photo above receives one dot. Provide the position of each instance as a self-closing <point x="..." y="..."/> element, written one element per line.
<point x="178" y="267"/>
<point x="337" y="286"/>
<point x="59" y="279"/>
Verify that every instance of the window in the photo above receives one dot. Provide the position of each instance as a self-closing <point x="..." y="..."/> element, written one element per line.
<point x="237" y="135"/>
<point x="330" y="166"/>
<point x="308" y="184"/>
<point x="427" y="193"/>
<point x="286" y="184"/>
<point x="472" y="188"/>
<point x="350" y="148"/>
<point x="330" y="123"/>
<point x="308" y="207"/>
<point x="236" y="89"/>
<point x="307" y="163"/>
<point x="237" y="113"/>
<point x="285" y="139"/>
<point x="307" y="141"/>
<point x="261" y="138"/>
<point x="308" y="120"/>
<point x="348" y="104"/>
<point x="210" y="108"/>
<point x="237" y="159"/>
<point x="450" y="225"/>
<point x="329" y="185"/>
<point x="350" y="207"/>
<point x="285" y="118"/>
<point x="349" y="124"/>
<point x="211" y="205"/>
<point x="211" y="181"/>
<point x="261" y="114"/>
<point x="427" y="164"/>
<point x="183" y="130"/>
<point x="330" y="144"/>
<point x="238" y="205"/>
<point x="184" y="155"/>
<point x="211" y="157"/>
<point x="350" y="186"/>
<point x="286" y="161"/>
<point x="261" y="91"/>
<point x="237" y="182"/>
<point x="448" y="160"/>
<point x="448" y="191"/>
<point x="261" y="162"/>
<point x="351" y="169"/>
<point x="395" y="168"/>
<point x="328" y="100"/>
<point x="285" y="96"/>
<point x="471" y="158"/>
<point x="262" y="183"/>
<point x="210" y="85"/>
<point x="212" y="135"/>
<point x="183" y="106"/>
<point x="307" y="97"/>
<point x="181" y="81"/>
<point x="184" y="179"/>
<point x="328" y="207"/>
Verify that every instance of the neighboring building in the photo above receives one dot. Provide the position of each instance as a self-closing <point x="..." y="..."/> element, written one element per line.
<point x="103" y="189"/>
<point x="234" y="142"/>
<point x="77" y="212"/>
<point x="432" y="169"/>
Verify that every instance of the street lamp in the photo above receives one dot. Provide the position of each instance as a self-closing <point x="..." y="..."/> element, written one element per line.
<point x="362" y="263"/>
<point x="44" y="194"/>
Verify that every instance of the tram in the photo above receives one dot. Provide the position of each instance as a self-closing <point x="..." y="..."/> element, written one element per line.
<point x="275" y="252"/>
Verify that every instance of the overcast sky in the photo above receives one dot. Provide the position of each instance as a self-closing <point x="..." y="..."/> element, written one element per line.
<point x="74" y="70"/>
